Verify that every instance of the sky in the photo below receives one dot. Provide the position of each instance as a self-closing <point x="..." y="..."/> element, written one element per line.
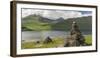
<point x="55" y="14"/>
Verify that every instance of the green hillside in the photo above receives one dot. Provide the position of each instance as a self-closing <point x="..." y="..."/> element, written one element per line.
<point x="37" y="23"/>
<point x="84" y="23"/>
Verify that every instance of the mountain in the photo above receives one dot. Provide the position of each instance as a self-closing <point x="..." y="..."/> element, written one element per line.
<point x="84" y="23"/>
<point x="39" y="18"/>
<point x="45" y="20"/>
<point x="38" y="23"/>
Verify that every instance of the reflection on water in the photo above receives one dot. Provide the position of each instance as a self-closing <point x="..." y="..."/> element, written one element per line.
<point x="39" y="35"/>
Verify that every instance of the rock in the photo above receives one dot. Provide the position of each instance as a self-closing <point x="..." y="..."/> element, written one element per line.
<point x="71" y="41"/>
<point x="75" y="29"/>
<point x="37" y="42"/>
<point x="48" y="40"/>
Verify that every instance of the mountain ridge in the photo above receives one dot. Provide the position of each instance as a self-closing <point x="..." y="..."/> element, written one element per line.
<point x="38" y="23"/>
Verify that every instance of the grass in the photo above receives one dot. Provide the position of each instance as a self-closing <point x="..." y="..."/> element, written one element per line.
<point x="37" y="26"/>
<point x="29" y="45"/>
<point x="88" y="39"/>
<point x="57" y="42"/>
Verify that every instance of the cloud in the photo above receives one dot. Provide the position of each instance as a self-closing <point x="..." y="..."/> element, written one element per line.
<point x="54" y="14"/>
<point x="64" y="14"/>
<point x="26" y="12"/>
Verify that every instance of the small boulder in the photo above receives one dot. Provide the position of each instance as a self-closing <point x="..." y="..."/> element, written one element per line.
<point x="48" y="40"/>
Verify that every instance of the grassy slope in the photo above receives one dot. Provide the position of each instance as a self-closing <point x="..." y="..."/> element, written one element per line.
<point x="57" y="42"/>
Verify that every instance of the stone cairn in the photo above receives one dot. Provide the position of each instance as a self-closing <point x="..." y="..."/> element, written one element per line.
<point x="75" y="38"/>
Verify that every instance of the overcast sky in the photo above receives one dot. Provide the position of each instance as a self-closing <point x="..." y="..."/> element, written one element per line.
<point x="55" y="14"/>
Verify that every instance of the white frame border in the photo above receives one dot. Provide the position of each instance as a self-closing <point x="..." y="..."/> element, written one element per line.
<point x="51" y="50"/>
